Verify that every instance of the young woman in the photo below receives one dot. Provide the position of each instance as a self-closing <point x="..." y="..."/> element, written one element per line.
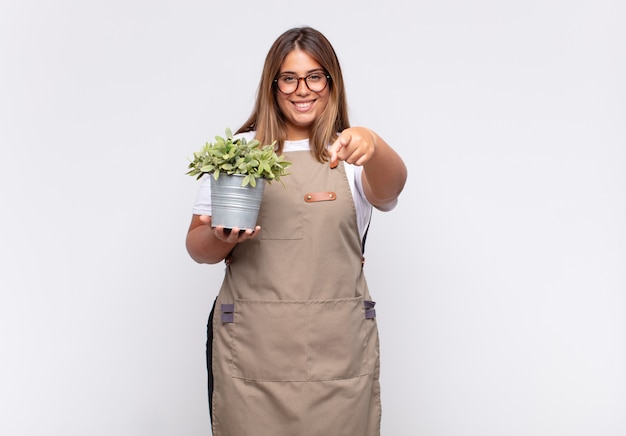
<point x="292" y="339"/>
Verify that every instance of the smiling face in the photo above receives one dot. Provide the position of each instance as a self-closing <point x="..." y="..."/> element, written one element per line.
<point x="303" y="106"/>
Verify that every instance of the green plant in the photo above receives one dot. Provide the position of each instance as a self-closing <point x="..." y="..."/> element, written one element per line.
<point x="239" y="156"/>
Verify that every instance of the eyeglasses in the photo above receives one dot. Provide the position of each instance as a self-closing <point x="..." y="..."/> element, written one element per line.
<point x="316" y="82"/>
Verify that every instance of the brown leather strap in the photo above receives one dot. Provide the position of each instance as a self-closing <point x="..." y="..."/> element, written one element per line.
<point x="320" y="196"/>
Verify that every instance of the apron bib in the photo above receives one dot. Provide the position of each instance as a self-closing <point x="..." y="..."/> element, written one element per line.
<point x="294" y="337"/>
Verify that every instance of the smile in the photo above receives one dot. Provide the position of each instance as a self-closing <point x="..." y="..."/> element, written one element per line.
<point x="303" y="106"/>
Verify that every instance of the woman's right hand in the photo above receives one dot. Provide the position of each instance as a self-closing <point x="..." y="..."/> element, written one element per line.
<point x="235" y="235"/>
<point x="207" y="244"/>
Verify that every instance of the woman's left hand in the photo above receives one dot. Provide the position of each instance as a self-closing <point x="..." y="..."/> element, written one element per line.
<point x="355" y="145"/>
<point x="384" y="172"/>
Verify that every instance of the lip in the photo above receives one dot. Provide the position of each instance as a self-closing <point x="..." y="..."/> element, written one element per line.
<point x="303" y="106"/>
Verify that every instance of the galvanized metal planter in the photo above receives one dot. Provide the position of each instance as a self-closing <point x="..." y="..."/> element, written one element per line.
<point x="234" y="205"/>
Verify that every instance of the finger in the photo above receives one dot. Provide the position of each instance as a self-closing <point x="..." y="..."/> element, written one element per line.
<point x="361" y="161"/>
<point x="251" y="233"/>
<point x="333" y="151"/>
<point x="358" y="158"/>
<point x="341" y="142"/>
<point x="234" y="234"/>
<point x="227" y="234"/>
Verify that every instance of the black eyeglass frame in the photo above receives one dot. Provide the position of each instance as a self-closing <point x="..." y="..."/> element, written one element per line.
<point x="324" y="73"/>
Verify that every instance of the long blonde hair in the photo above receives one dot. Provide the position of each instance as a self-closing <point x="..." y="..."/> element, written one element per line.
<point x="267" y="118"/>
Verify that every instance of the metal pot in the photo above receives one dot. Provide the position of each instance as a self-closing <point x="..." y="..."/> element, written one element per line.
<point x="234" y="205"/>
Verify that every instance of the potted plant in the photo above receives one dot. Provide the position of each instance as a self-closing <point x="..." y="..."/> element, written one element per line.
<point x="239" y="170"/>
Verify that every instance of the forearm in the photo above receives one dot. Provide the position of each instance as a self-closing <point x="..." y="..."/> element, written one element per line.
<point x="203" y="245"/>
<point x="384" y="175"/>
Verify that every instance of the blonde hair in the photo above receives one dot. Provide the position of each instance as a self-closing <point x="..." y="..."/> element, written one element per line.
<point x="267" y="118"/>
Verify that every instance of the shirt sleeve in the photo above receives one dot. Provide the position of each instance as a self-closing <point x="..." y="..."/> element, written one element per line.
<point x="203" y="198"/>
<point x="362" y="206"/>
<point x="358" y="181"/>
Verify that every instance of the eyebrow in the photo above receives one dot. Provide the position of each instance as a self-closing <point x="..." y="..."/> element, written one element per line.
<point x="309" y="72"/>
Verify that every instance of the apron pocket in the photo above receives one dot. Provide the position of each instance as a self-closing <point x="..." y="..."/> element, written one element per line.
<point x="272" y="217"/>
<point x="290" y="340"/>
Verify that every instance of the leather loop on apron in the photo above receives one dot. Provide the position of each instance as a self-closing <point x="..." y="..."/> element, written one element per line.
<point x="314" y="197"/>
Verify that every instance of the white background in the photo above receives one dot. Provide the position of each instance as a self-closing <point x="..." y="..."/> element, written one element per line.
<point x="500" y="278"/>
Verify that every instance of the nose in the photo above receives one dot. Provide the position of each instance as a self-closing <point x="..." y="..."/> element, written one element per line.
<point x="304" y="89"/>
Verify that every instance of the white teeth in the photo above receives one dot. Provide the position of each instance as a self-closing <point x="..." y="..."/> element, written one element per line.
<point x="303" y="105"/>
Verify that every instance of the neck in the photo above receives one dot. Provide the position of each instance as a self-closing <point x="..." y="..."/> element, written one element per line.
<point x="296" y="133"/>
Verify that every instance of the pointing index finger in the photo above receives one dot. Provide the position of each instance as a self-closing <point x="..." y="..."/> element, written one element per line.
<point x="333" y="150"/>
<point x="337" y="146"/>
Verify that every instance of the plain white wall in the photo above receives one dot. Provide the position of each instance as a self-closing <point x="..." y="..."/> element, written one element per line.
<point x="500" y="278"/>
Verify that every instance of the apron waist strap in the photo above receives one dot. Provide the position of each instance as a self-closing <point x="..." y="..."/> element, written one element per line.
<point x="370" y="312"/>
<point x="228" y="311"/>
